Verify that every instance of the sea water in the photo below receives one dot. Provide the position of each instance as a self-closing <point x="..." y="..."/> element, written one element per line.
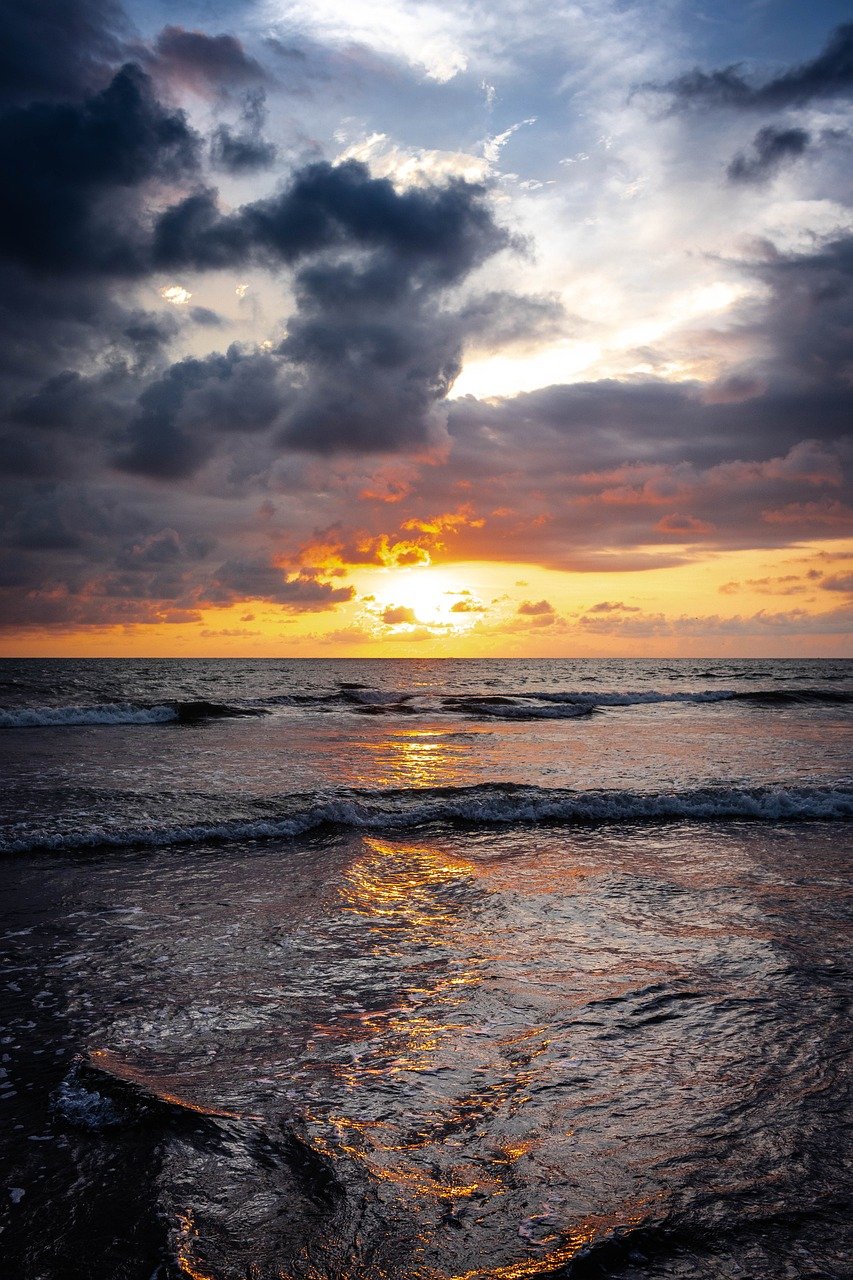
<point x="434" y="969"/>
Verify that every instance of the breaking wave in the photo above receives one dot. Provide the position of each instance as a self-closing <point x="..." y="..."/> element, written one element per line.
<point x="112" y="713"/>
<point x="361" y="700"/>
<point x="484" y="805"/>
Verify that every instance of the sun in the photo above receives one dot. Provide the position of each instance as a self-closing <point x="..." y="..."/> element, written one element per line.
<point x="421" y="595"/>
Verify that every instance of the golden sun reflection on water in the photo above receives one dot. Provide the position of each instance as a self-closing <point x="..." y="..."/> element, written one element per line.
<point x="579" y="1236"/>
<point x="418" y="758"/>
<point x="434" y="1089"/>
<point x="398" y="883"/>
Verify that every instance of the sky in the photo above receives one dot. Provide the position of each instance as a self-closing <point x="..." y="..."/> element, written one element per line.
<point x="417" y="328"/>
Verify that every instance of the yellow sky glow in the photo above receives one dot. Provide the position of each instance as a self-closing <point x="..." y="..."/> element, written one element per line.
<point x="760" y="604"/>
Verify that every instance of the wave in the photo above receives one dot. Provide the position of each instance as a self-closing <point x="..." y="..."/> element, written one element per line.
<point x="112" y="713"/>
<point x="362" y="700"/>
<point x="772" y="697"/>
<point x="564" y="705"/>
<point x="484" y="805"/>
<point x="506" y="709"/>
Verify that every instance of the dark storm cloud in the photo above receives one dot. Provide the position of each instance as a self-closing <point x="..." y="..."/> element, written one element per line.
<point x="374" y="356"/>
<point x="593" y="476"/>
<point x="500" y="319"/>
<point x="82" y="554"/>
<point x="808" y="321"/>
<point x="88" y="152"/>
<point x="67" y="168"/>
<point x="440" y="233"/>
<point x="249" y="580"/>
<point x="54" y="49"/>
<point x="828" y="75"/>
<point x="76" y="209"/>
<point x="65" y="402"/>
<point x="240" y="152"/>
<point x="583" y="476"/>
<point x="771" y="148"/>
<point x="246" y="150"/>
<point x="204" y="63"/>
<point x="370" y="347"/>
<point x="204" y="316"/>
<point x="180" y="413"/>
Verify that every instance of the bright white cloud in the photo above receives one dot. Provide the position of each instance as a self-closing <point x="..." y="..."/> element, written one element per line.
<point x="426" y="35"/>
<point x="176" y="294"/>
<point x="416" y="167"/>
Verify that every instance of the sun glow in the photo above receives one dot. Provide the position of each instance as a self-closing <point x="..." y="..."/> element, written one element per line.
<point x="421" y="596"/>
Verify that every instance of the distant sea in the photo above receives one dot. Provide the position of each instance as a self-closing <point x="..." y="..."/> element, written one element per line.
<point x="443" y="970"/>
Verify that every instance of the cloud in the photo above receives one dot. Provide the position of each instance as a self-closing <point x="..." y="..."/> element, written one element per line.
<point x="838" y="582"/>
<point x="789" y="584"/>
<point x="372" y="349"/>
<point x="205" y="316"/>
<point x="245" y="151"/>
<point x="149" y="476"/>
<point x="684" y="526"/>
<point x="437" y="234"/>
<point x="794" y="622"/>
<point x="56" y="49"/>
<point x="499" y="319"/>
<point x="240" y="152"/>
<point x="70" y="169"/>
<point x="539" y="609"/>
<point x="612" y="606"/>
<point x="256" y="580"/>
<point x="397" y="614"/>
<point x="206" y="64"/>
<point x="771" y="147"/>
<point x="178" y="416"/>
<point x="828" y="75"/>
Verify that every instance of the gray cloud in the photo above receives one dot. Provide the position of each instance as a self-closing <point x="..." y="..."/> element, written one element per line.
<point x="537" y="609"/>
<point x="828" y="75"/>
<point x="57" y="49"/>
<point x="438" y="233"/>
<point x="245" y="150"/>
<point x="771" y="148"/>
<point x="70" y="170"/>
<point x="205" y="63"/>
<point x="255" y="579"/>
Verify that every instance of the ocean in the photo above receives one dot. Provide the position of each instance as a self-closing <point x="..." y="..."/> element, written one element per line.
<point x="450" y="970"/>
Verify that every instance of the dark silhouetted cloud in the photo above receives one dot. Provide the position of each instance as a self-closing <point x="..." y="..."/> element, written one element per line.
<point x="257" y="580"/>
<point x="244" y="150"/>
<point x="180" y="413"/>
<point x="68" y="167"/>
<point x="440" y="233"/>
<point x="240" y="152"/>
<point x="204" y="63"/>
<point x="771" y="148"/>
<point x="828" y="75"/>
<point x="58" y="49"/>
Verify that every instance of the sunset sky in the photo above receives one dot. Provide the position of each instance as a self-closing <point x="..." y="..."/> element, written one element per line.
<point x="386" y="327"/>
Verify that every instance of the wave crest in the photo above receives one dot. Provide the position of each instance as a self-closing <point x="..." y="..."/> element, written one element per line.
<point x="484" y="805"/>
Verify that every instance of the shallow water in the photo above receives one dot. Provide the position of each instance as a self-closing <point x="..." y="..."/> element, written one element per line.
<point x="472" y="1042"/>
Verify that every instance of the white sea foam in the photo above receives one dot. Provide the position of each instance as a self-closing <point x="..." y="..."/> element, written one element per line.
<point x="108" y="713"/>
<point x="630" y="698"/>
<point x="477" y="805"/>
<point x="85" y="1108"/>
<point x="529" y="710"/>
